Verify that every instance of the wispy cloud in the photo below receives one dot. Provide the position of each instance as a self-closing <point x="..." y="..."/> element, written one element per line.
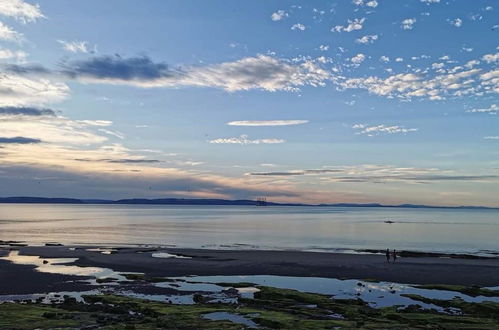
<point x="279" y="15"/>
<point x="298" y="26"/>
<point x="368" y="39"/>
<point x="353" y="25"/>
<point x="244" y="140"/>
<point x="457" y="22"/>
<point x="266" y="122"/>
<point x="260" y="72"/>
<point x="8" y="34"/>
<point x="20" y="10"/>
<point x="17" y="90"/>
<point x="492" y="109"/>
<point x="6" y="54"/>
<point x="369" y="173"/>
<point x="408" y="23"/>
<point x="75" y="46"/>
<point x="382" y="129"/>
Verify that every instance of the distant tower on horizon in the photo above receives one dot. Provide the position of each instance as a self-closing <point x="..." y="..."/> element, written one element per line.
<point x="261" y="201"/>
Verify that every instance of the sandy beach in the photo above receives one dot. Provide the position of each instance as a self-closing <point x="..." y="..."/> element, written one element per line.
<point x="23" y="279"/>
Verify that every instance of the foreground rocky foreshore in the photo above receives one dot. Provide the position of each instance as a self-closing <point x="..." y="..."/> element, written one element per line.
<point x="156" y="287"/>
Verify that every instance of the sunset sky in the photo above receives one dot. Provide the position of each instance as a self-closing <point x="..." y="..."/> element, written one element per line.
<point x="313" y="101"/>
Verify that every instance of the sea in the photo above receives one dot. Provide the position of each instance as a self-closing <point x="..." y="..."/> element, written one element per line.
<point x="331" y="229"/>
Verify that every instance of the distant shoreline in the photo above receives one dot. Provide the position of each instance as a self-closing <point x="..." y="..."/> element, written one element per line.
<point x="192" y="201"/>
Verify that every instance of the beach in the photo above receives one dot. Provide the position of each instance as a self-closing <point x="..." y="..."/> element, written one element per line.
<point x="413" y="270"/>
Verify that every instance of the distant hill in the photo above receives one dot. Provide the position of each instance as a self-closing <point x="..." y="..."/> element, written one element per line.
<point x="198" y="201"/>
<point x="41" y="200"/>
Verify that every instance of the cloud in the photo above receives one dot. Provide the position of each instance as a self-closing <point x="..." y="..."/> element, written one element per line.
<point x="266" y="122"/>
<point x="408" y="23"/>
<point x="353" y="25"/>
<point x="324" y="48"/>
<point x="6" y="54"/>
<point x="18" y="140"/>
<point x="20" y="10"/>
<point x="16" y="90"/>
<point x="121" y="161"/>
<point x="457" y="22"/>
<point x="491" y="58"/>
<point x="358" y="59"/>
<point x="493" y="109"/>
<point x="25" y="111"/>
<point x="279" y="15"/>
<point x="8" y="34"/>
<point x="430" y="1"/>
<point x="369" y="173"/>
<point x="384" y="59"/>
<point x="243" y="140"/>
<point x="74" y="46"/>
<point x="454" y="82"/>
<point x="382" y="129"/>
<point x="491" y="137"/>
<point x="298" y="26"/>
<point x="260" y="72"/>
<point x="42" y="124"/>
<point x="368" y="39"/>
<point x="118" y="69"/>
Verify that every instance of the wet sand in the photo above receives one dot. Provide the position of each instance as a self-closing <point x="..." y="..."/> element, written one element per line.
<point x="20" y="279"/>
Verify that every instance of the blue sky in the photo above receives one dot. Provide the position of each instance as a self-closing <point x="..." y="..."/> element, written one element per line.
<point x="314" y="101"/>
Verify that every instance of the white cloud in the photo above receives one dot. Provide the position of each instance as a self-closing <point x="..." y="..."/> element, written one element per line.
<point x="8" y="34"/>
<point x="16" y="90"/>
<point x="430" y="1"/>
<point x="261" y="72"/>
<point x="382" y="129"/>
<point x="384" y="59"/>
<point x="491" y="137"/>
<point x="18" y="55"/>
<point x="453" y="82"/>
<point x="408" y="23"/>
<point x="493" y="109"/>
<point x="399" y="59"/>
<point x="324" y="48"/>
<point x="358" y="59"/>
<point x="298" y="26"/>
<point x="437" y="65"/>
<point x="243" y="139"/>
<point x="353" y="25"/>
<point x="267" y="122"/>
<point x="372" y="4"/>
<point x="20" y="10"/>
<point x="367" y="39"/>
<point x="279" y="15"/>
<point x="491" y="58"/>
<point x="457" y="22"/>
<point x="49" y="129"/>
<point x="74" y="46"/>
<point x="468" y="49"/>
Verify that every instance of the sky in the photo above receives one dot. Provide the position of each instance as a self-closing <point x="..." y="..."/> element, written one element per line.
<point x="314" y="102"/>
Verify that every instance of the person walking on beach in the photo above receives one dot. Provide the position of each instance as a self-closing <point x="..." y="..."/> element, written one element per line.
<point x="388" y="255"/>
<point x="394" y="255"/>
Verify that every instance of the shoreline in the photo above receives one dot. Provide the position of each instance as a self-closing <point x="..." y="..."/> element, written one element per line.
<point x="23" y="279"/>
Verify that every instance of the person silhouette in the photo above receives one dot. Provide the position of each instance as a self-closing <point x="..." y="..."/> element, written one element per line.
<point x="387" y="255"/>
<point x="394" y="255"/>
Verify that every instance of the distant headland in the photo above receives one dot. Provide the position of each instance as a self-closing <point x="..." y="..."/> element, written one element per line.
<point x="201" y="201"/>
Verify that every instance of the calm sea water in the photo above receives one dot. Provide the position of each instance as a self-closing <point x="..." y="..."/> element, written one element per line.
<point x="304" y="228"/>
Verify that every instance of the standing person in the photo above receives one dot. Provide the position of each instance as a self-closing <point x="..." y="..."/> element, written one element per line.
<point x="394" y="255"/>
<point x="387" y="255"/>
